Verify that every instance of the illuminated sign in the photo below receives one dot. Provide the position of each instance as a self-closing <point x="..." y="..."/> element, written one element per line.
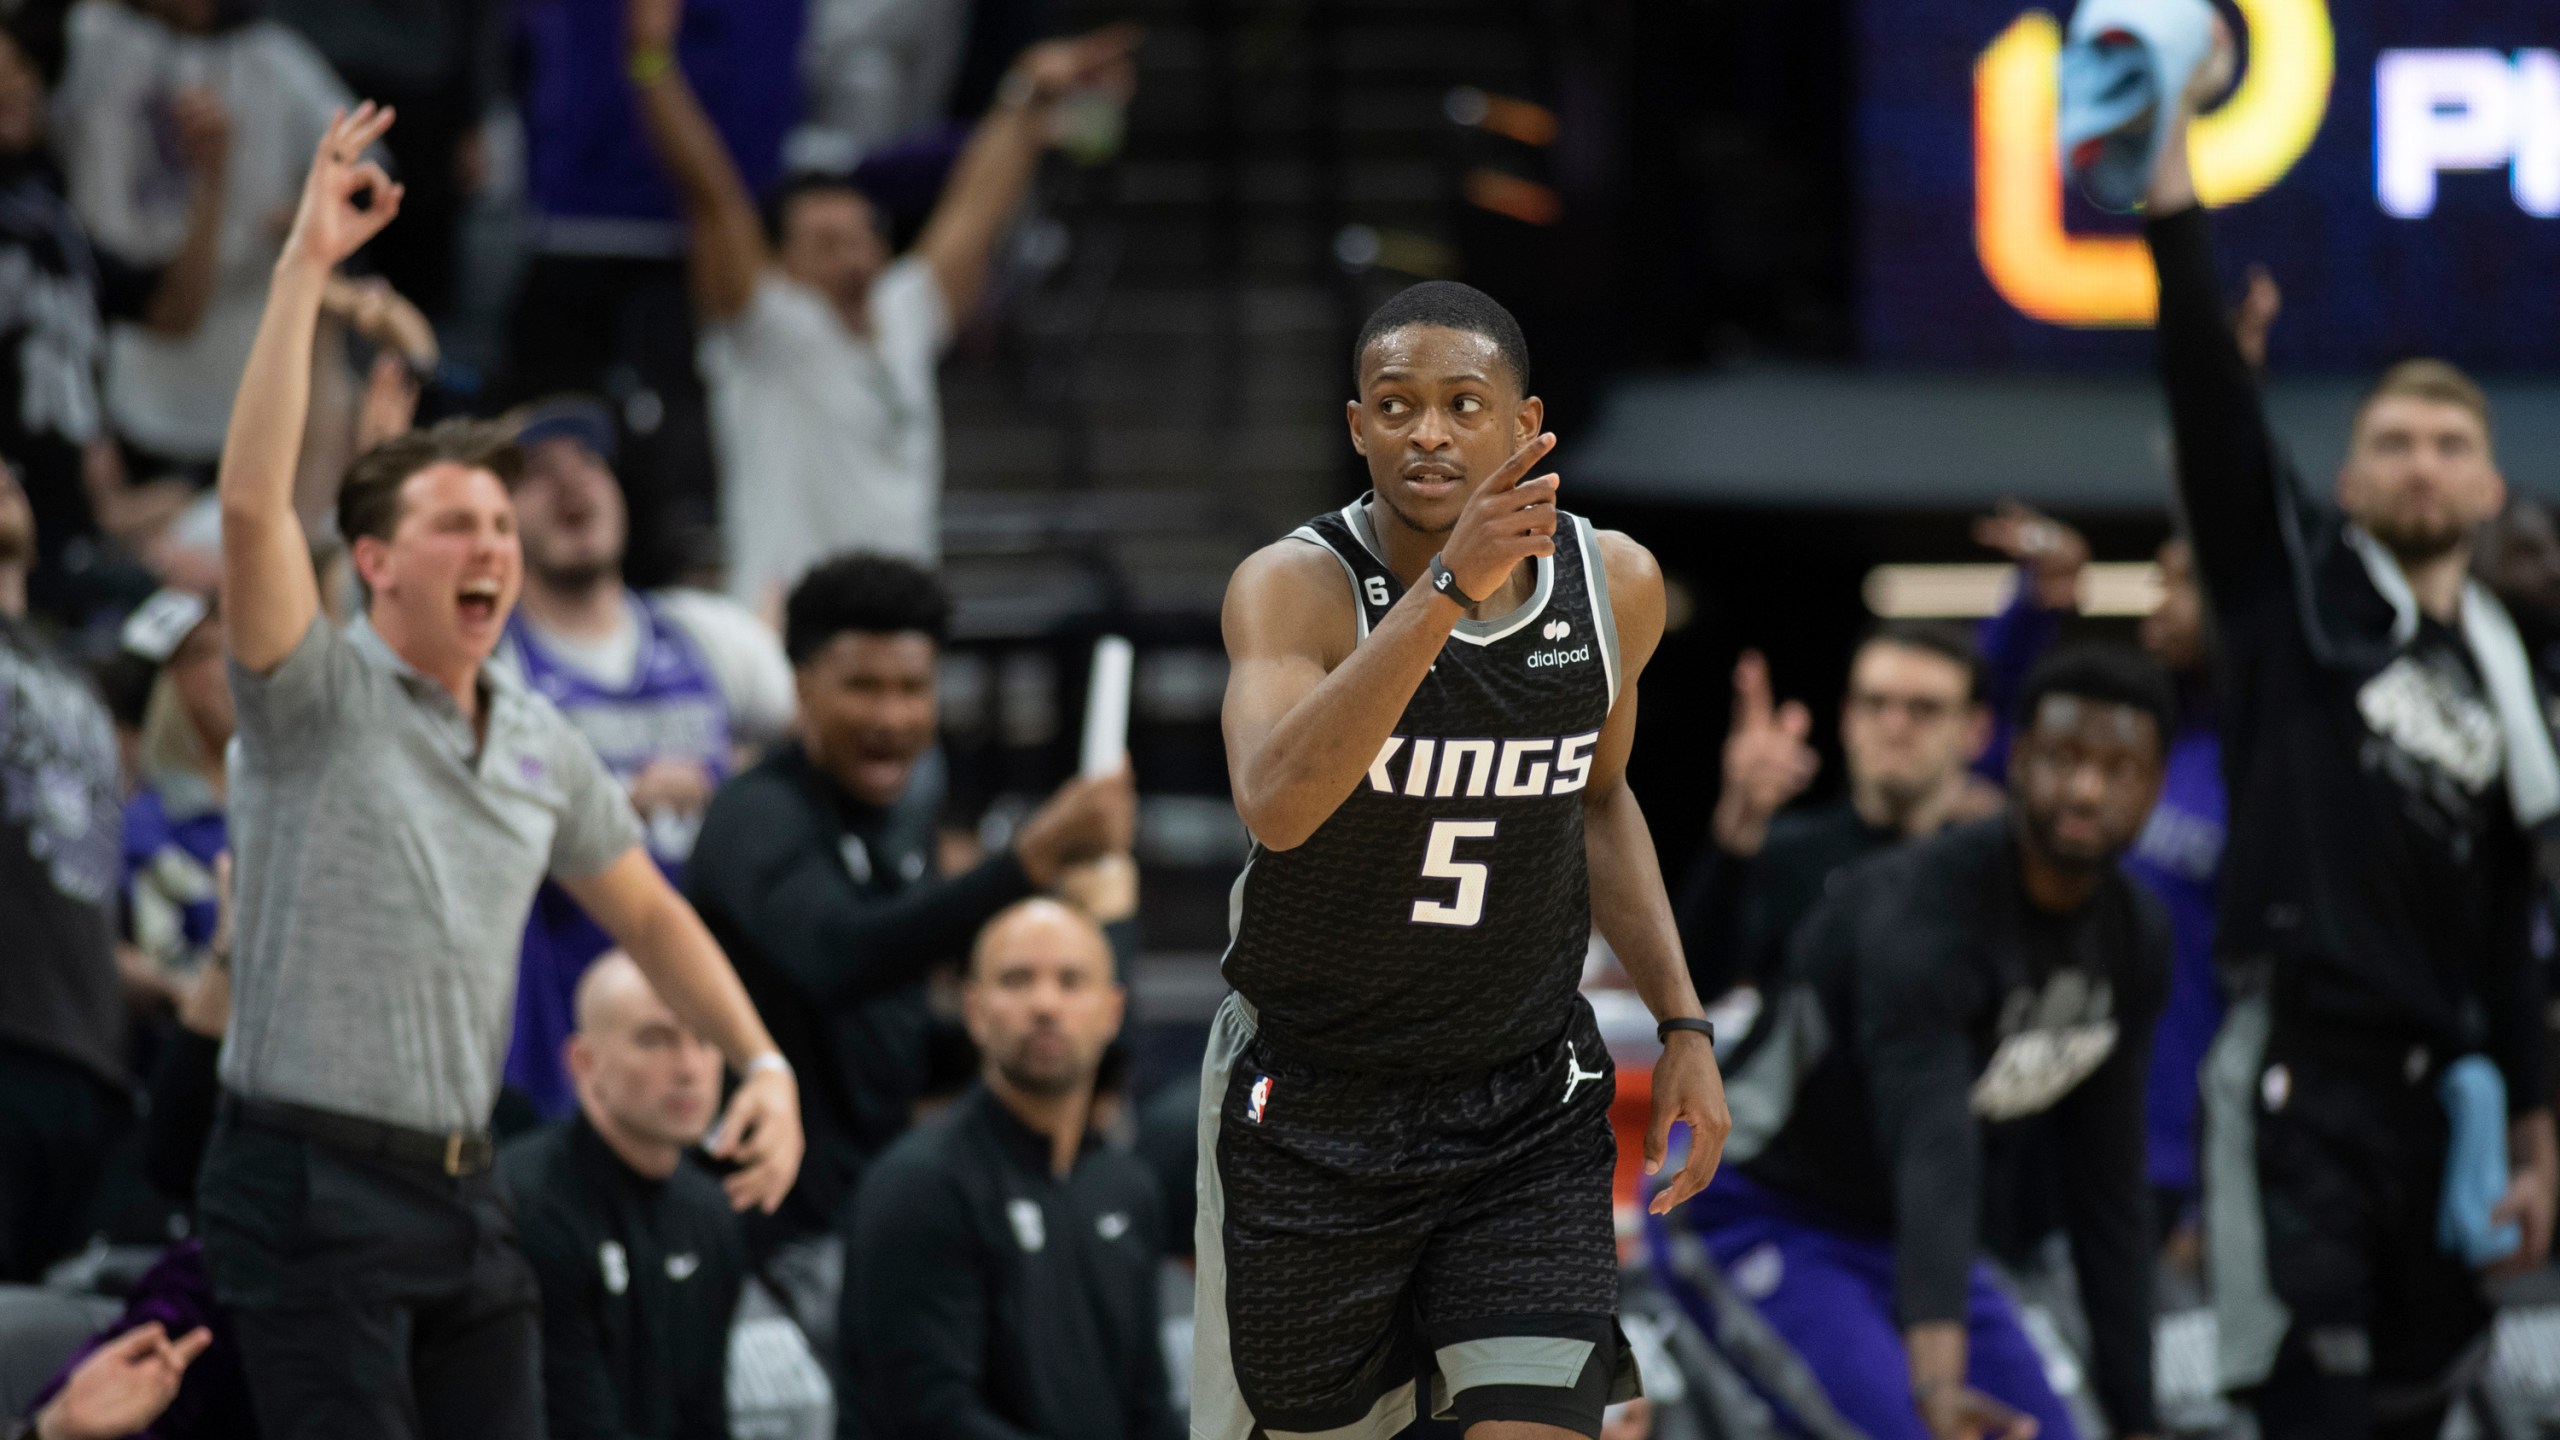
<point x="2440" y="110"/>
<point x="2396" y="162"/>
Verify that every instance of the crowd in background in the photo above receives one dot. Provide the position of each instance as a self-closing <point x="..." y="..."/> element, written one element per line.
<point x="755" y="226"/>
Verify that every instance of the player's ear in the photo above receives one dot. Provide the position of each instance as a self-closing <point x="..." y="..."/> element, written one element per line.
<point x="1531" y="420"/>
<point x="1351" y="417"/>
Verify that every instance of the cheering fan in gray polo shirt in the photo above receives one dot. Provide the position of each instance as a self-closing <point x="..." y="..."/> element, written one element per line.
<point x="395" y="803"/>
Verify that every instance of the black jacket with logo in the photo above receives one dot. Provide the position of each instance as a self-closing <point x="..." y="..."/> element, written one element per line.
<point x="987" y="1298"/>
<point x="640" y="1279"/>
<point x="1928" y="1000"/>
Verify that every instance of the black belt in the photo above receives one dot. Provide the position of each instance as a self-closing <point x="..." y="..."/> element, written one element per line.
<point x="455" y="1152"/>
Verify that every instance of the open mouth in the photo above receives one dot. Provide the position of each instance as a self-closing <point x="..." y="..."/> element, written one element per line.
<point x="1432" y="482"/>
<point x="477" y="602"/>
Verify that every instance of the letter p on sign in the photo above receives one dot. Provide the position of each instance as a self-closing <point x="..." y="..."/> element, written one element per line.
<point x="2456" y="110"/>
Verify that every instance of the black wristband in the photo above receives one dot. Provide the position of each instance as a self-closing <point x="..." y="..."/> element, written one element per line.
<point x="1447" y="584"/>
<point x="1664" y="1031"/>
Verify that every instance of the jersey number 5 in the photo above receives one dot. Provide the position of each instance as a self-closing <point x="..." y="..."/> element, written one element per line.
<point x="1440" y="862"/>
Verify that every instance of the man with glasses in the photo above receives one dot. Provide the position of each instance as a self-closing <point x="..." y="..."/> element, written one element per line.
<point x="1911" y="725"/>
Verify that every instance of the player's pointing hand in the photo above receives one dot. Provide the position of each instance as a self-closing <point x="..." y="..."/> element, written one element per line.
<point x="1508" y="520"/>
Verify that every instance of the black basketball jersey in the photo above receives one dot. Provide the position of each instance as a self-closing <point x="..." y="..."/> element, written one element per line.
<point x="1437" y="920"/>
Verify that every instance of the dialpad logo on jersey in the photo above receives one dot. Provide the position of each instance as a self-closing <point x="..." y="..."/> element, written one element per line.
<point x="1257" y="1098"/>
<point x="2050" y="1041"/>
<point x="1444" y="769"/>
<point x="1555" y="630"/>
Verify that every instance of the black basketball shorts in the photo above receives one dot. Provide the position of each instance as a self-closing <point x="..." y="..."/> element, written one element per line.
<point x="1366" y="1240"/>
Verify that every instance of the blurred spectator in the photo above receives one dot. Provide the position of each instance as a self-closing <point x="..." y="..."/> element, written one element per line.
<point x="640" y="1260"/>
<point x="819" y="348"/>
<point x="63" y="1090"/>
<point x="878" y="72"/>
<point x="2518" y="558"/>
<point x="817" y="878"/>
<point x="246" y="100"/>
<point x="1913" y="719"/>
<point x="435" y="61"/>
<point x="670" y="687"/>
<point x="2000" y="971"/>
<point x="602" y="303"/>
<point x="58" y="292"/>
<point x="122" y="1386"/>
<point x="1004" y="1261"/>
<point x="2179" y="855"/>
<point x="2388" y="758"/>
<point x="173" y="821"/>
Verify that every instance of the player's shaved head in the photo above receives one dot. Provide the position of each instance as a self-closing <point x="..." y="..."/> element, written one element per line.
<point x="612" y="985"/>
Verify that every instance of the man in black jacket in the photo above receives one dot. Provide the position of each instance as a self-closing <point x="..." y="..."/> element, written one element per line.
<point x="2387" y="760"/>
<point x="1002" y="1282"/>
<point x="2001" y="971"/>
<point x="815" y="871"/>
<point x="636" y="1250"/>
<point x="1913" y="718"/>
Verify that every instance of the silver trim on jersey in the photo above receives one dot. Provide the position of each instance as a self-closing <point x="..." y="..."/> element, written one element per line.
<point x="1595" y="579"/>
<point x="1474" y="632"/>
<point x="1358" y="605"/>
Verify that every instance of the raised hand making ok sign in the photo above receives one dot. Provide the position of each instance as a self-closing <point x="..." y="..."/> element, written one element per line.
<point x="347" y="199"/>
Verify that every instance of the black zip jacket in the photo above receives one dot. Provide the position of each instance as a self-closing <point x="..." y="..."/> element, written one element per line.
<point x="2374" y="856"/>
<point x="986" y="1298"/>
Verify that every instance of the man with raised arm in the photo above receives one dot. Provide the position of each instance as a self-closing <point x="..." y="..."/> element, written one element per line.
<point x="2386" y="757"/>
<point x="396" y="800"/>
<point x="1405" y="1151"/>
<point x="818" y="348"/>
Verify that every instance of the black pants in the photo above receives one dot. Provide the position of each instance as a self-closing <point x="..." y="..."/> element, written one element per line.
<point x="56" y="1123"/>
<point x="2351" y="1152"/>
<point x="371" y="1298"/>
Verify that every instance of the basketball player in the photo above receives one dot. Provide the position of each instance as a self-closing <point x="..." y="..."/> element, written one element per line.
<point x="1405" y="1139"/>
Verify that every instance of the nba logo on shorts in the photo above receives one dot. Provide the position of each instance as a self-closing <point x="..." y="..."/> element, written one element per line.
<point x="1260" y="1097"/>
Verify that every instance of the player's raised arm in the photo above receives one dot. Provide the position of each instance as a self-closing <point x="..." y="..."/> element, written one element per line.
<point x="1307" y="710"/>
<point x="269" y="597"/>
<point x="1628" y="903"/>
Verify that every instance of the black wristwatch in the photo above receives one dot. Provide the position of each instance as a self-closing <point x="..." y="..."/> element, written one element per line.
<point x="1664" y="1031"/>
<point x="1447" y="584"/>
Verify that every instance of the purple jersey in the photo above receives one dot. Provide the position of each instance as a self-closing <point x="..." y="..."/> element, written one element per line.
<point x="671" y="708"/>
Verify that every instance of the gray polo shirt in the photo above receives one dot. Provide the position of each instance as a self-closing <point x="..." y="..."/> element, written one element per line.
<point x="385" y="866"/>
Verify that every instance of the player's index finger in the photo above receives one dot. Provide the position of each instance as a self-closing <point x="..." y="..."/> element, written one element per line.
<point x="1513" y="469"/>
